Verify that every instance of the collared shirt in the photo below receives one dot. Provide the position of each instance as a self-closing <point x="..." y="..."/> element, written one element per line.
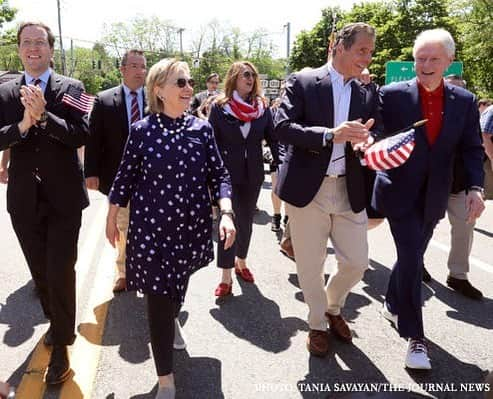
<point x="341" y="92"/>
<point x="44" y="77"/>
<point x="128" y="102"/>
<point x="487" y="121"/>
<point x="432" y="109"/>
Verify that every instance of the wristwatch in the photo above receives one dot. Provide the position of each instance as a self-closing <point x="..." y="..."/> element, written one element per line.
<point x="43" y="118"/>
<point x="477" y="188"/>
<point x="228" y="212"/>
<point x="328" y="136"/>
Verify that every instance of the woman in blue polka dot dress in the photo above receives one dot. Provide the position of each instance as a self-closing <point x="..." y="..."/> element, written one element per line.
<point x="170" y="163"/>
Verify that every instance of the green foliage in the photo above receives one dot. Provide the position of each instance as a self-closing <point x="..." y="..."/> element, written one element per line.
<point x="398" y="22"/>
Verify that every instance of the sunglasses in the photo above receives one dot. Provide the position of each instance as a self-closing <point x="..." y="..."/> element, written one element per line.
<point x="182" y="82"/>
<point x="248" y="75"/>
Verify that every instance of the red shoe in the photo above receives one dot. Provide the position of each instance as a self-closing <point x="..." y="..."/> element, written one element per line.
<point x="245" y="274"/>
<point x="224" y="289"/>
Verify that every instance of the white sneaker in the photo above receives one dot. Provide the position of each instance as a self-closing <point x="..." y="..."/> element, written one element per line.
<point x="386" y="313"/>
<point x="179" y="342"/>
<point x="417" y="355"/>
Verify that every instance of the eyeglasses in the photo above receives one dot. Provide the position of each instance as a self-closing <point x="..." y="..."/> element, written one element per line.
<point x="34" y="43"/>
<point x="248" y="75"/>
<point x="182" y="82"/>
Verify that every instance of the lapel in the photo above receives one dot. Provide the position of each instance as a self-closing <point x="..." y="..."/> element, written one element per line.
<point x="414" y="111"/>
<point x="358" y="98"/>
<point x="16" y="91"/>
<point x="325" y="97"/>
<point x="52" y="89"/>
<point x="121" y="107"/>
<point x="448" y="114"/>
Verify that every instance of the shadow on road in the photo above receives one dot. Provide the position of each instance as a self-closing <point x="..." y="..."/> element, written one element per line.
<point x="257" y="319"/>
<point x="196" y="377"/>
<point x="21" y="312"/>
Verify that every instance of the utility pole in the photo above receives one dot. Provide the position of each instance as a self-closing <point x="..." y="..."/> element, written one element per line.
<point x="62" y="52"/>
<point x="180" y="32"/>
<point x="288" y="44"/>
<point x="72" y="65"/>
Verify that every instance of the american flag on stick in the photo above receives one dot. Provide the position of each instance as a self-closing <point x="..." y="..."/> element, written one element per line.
<point x="390" y="152"/>
<point x="75" y="97"/>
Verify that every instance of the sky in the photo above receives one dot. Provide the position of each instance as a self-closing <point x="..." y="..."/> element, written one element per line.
<point x="84" y="19"/>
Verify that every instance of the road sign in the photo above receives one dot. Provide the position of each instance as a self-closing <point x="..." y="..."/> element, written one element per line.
<point x="397" y="71"/>
<point x="274" y="83"/>
<point x="271" y="92"/>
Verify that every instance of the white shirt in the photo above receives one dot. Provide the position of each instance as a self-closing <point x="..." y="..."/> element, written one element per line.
<point x="341" y="92"/>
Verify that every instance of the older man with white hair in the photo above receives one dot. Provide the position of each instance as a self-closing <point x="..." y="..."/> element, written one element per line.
<point x="414" y="196"/>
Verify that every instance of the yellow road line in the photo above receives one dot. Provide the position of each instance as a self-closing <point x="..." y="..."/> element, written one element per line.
<point x="87" y="348"/>
<point x="32" y="385"/>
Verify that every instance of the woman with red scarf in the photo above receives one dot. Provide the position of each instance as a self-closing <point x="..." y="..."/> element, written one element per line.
<point x="241" y="121"/>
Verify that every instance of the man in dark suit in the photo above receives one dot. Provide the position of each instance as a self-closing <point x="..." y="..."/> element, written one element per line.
<point x="211" y="82"/>
<point x="46" y="191"/>
<point x="113" y="112"/>
<point x="414" y="196"/>
<point x="324" y="113"/>
<point x="461" y="231"/>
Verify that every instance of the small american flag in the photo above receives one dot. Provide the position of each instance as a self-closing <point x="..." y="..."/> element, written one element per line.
<point x="390" y="152"/>
<point x="76" y="98"/>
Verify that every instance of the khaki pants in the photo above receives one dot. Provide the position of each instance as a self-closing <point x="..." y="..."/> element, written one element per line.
<point x="461" y="234"/>
<point x="122" y="220"/>
<point x="328" y="215"/>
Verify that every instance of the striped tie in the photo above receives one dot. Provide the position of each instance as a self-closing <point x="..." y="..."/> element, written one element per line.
<point x="134" y="109"/>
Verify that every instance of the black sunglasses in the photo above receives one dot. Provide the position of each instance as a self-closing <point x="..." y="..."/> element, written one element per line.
<point x="182" y="82"/>
<point x="248" y="75"/>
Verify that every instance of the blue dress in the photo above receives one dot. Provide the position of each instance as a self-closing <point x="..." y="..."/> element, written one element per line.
<point x="168" y="168"/>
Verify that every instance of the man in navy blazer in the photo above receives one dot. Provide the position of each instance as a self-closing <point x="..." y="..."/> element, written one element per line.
<point x="109" y="125"/>
<point x="414" y="196"/>
<point x="324" y="113"/>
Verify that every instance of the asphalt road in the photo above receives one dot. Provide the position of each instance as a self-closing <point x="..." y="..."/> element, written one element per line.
<point x="252" y="344"/>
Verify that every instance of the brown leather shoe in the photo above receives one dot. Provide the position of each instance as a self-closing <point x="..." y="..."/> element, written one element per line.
<point x="318" y="343"/>
<point x="339" y="327"/>
<point x="287" y="248"/>
<point x="120" y="285"/>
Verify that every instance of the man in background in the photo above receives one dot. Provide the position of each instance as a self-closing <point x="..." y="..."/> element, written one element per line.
<point x="113" y="113"/>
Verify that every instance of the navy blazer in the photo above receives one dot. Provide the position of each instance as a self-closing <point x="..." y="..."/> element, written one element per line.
<point x="306" y="111"/>
<point x="243" y="157"/>
<point x="108" y="128"/>
<point x="49" y="153"/>
<point x="425" y="179"/>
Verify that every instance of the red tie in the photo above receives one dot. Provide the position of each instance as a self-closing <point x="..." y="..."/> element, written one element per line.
<point x="134" y="109"/>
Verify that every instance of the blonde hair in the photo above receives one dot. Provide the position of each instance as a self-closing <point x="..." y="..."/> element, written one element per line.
<point x="230" y="82"/>
<point x="157" y="76"/>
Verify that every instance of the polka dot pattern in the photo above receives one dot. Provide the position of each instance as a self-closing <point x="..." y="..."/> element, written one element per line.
<point x="167" y="176"/>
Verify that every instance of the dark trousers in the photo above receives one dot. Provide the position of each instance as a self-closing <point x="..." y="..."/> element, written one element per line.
<point x="244" y="201"/>
<point x="161" y="313"/>
<point x="49" y="244"/>
<point x="411" y="236"/>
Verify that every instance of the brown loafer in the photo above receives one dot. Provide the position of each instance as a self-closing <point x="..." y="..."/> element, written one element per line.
<point x="339" y="327"/>
<point x="318" y="343"/>
<point x="286" y="247"/>
<point x="120" y="285"/>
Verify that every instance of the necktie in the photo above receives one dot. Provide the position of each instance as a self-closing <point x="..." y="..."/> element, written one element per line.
<point x="36" y="82"/>
<point x="134" y="109"/>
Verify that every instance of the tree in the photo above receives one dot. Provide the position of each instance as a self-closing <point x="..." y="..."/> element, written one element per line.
<point x="9" y="59"/>
<point x="476" y="33"/>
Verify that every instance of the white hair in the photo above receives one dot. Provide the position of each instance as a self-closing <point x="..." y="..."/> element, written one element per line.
<point x="439" y="35"/>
